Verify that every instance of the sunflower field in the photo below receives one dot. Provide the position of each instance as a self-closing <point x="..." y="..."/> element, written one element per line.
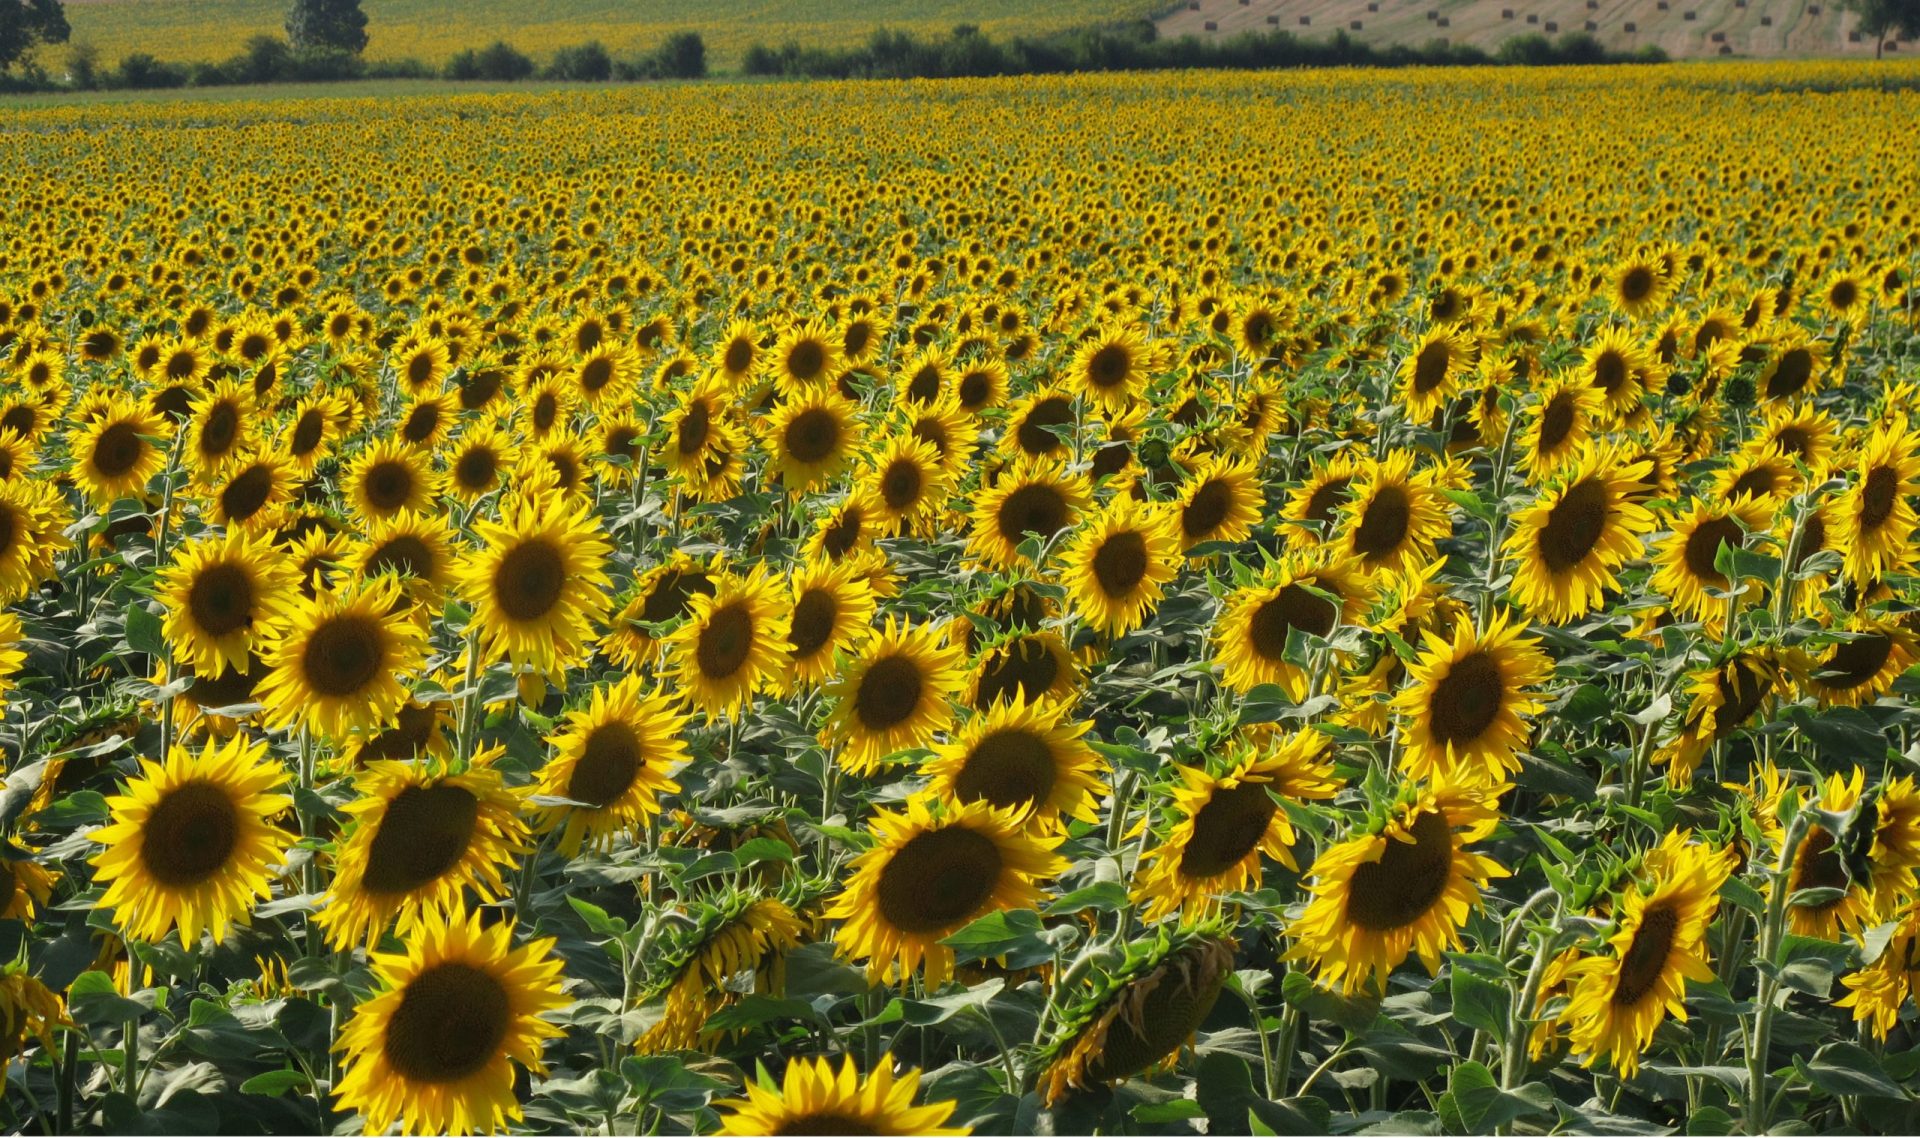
<point x="1154" y="604"/>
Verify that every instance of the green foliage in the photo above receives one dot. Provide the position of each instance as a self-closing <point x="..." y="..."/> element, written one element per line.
<point x="25" y="24"/>
<point x="336" y="24"/>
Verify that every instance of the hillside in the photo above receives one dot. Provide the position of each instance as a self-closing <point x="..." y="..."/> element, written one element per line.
<point x="191" y="30"/>
<point x="1683" y="28"/>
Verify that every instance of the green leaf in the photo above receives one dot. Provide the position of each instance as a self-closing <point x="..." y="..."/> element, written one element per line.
<point x="1480" y="1003"/>
<point x="939" y="1009"/>
<point x="1015" y="934"/>
<point x="1710" y="1120"/>
<point x="92" y="999"/>
<point x="1172" y="1110"/>
<point x="1848" y="1069"/>
<point x="276" y="1083"/>
<point x="659" y="1081"/>
<point x="144" y="634"/>
<point x="1471" y="1091"/>
<point x="763" y="849"/>
<point x="1104" y="896"/>
<point x="1355" y="1013"/>
<point x="597" y="918"/>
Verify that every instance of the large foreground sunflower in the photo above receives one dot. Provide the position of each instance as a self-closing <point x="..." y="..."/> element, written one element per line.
<point x="1567" y="545"/>
<point x="1465" y="711"/>
<point x="1405" y="888"/>
<point x="538" y="584"/>
<point x="1023" y="756"/>
<point x="435" y="1049"/>
<point x="813" y="1099"/>
<point x="222" y="595"/>
<point x="191" y="842"/>
<point x="338" y="664"/>
<point x="933" y="868"/>
<point x="895" y="695"/>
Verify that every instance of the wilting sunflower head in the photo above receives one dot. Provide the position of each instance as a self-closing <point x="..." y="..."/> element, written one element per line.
<point x="732" y="643"/>
<point x="223" y="595"/>
<point x="418" y="837"/>
<point x="28" y="1010"/>
<point x="338" y="662"/>
<point x="934" y="867"/>
<point x="435" y="1048"/>
<point x="815" y="1099"/>
<point x="1022" y="756"/>
<point x="1137" y="1016"/>
<point x="696" y="972"/>
<point x="895" y="695"/>
<point x="1401" y="888"/>
<point x="191" y="842"/>
<point x="613" y="761"/>
<point x="538" y="585"/>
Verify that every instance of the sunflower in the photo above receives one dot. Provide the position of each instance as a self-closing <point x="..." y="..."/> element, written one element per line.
<point x="1567" y="546"/>
<point x="737" y="352"/>
<point x="605" y="375"/>
<point x="1431" y="374"/>
<point x="813" y="1099"/>
<point x="254" y="493"/>
<point x="1029" y="757"/>
<point x="1402" y="888"/>
<point x="308" y="434"/>
<point x="1315" y="504"/>
<point x="1465" y="711"/>
<point x="218" y="427"/>
<point x="417" y="837"/>
<point x="1756" y="472"/>
<point x="613" y="761"/>
<point x="982" y="384"/>
<point x="114" y="456"/>
<point x="1685" y="563"/>
<point x="1792" y="369"/>
<point x="1618" y="367"/>
<point x="17" y="454"/>
<point x="1722" y="699"/>
<point x="740" y="931"/>
<point x="1032" y="499"/>
<point x="1219" y="502"/>
<point x="435" y="1048"/>
<point x="1877" y="514"/>
<point x="661" y="595"/>
<point x="337" y="663"/>
<point x="810" y="439"/>
<point x="905" y="481"/>
<point x="1619" y="997"/>
<point x="1637" y="287"/>
<point x="1227" y="821"/>
<point x="191" y="843"/>
<point x="1311" y="592"/>
<point x="1798" y="432"/>
<point x="1138" y="1014"/>
<point x="732" y="642"/>
<point x="694" y="427"/>
<point x="222" y="596"/>
<point x="1112" y="367"/>
<point x="1394" y="517"/>
<point x="389" y="477"/>
<point x="25" y="887"/>
<point x="538" y="584"/>
<point x="422" y="366"/>
<point x="477" y="460"/>
<point x="831" y="611"/>
<point x="804" y="357"/>
<point x="1037" y="426"/>
<point x="895" y="695"/>
<point x="933" y="868"/>
<point x="1118" y="566"/>
<point x="1860" y="668"/>
<point x="419" y="730"/>
<point x="1564" y="419"/>
<point x="1878" y="992"/>
<point x="28" y="1009"/>
<point x="1024" y="665"/>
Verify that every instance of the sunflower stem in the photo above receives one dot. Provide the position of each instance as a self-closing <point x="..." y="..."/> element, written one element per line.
<point x="1513" y="1064"/>
<point x="1759" y="1042"/>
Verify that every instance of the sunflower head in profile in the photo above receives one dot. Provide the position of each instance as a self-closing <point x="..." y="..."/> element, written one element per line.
<point x="1465" y="711"/>
<point x="418" y="837"/>
<point x="934" y="867"/>
<point x="192" y="843"/>
<point x="1311" y="593"/>
<point x="1402" y="887"/>
<point x="1118" y="566"/>
<point x="895" y="695"/>
<point x="115" y="455"/>
<point x="1722" y="699"/>
<point x="1877" y="514"/>
<point x="613" y="760"/>
<point x="813" y="1098"/>
<point x="29" y="1010"/>
<point x="389" y="477"/>
<point x="1135" y="1016"/>
<point x="435" y="1048"/>
<point x="1878" y="992"/>
<point x="223" y="595"/>
<point x="1029" y="500"/>
<point x="1434" y="369"/>
<point x="337" y="663"/>
<point x="1620" y="995"/>
<point x="831" y="611"/>
<point x="732" y="643"/>
<point x="538" y="584"/>
<point x="1686" y="562"/>
<point x="810" y="438"/>
<point x="1220" y="501"/>
<point x="1567" y="546"/>
<point x="1226" y="821"/>
<point x="1020" y="756"/>
<point x="693" y="975"/>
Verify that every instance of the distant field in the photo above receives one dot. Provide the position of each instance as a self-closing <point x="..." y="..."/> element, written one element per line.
<point x="192" y="30"/>
<point x="1683" y="28"/>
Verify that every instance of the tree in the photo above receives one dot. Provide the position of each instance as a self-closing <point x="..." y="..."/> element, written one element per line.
<point x="25" y="24"/>
<point x="683" y="56"/>
<point x="1881" y="19"/>
<point x="338" y="24"/>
